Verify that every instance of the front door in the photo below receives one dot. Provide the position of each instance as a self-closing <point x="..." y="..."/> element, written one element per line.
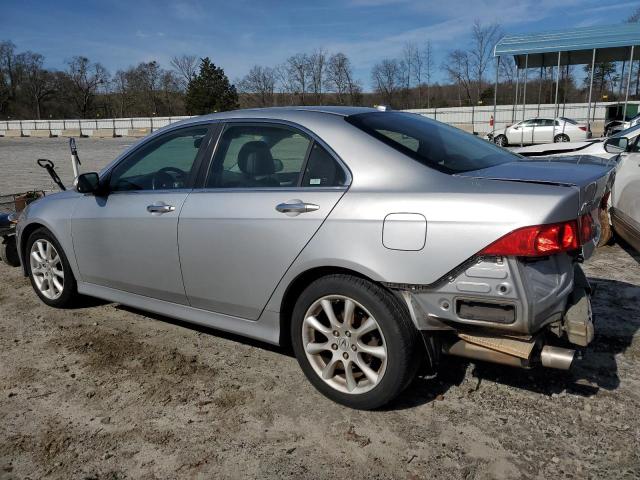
<point x="268" y="190"/>
<point x="127" y="239"/>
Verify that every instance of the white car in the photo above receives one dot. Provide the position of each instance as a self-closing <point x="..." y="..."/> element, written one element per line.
<point x="540" y="130"/>
<point x="624" y="202"/>
<point x="618" y="125"/>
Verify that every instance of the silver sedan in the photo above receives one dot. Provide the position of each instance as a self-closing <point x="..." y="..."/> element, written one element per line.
<point x="371" y="241"/>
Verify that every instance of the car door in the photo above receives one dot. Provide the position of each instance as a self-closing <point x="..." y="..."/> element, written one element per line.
<point x="268" y="189"/>
<point x="127" y="239"/>
<point x="625" y="195"/>
<point x="521" y="133"/>
<point x="542" y="131"/>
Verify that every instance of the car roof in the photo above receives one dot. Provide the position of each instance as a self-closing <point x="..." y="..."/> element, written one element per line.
<point x="282" y="112"/>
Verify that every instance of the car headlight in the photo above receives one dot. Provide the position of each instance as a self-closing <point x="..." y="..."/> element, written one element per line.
<point x="13" y="217"/>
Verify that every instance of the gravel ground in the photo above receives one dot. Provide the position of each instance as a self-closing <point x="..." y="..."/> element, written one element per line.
<point x="107" y="392"/>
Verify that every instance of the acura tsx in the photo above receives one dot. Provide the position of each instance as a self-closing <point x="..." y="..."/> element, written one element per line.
<point x="372" y="242"/>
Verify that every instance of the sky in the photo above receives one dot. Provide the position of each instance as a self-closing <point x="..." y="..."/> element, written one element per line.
<point x="237" y="34"/>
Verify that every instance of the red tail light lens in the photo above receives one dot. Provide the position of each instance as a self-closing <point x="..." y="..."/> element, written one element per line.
<point x="587" y="228"/>
<point x="538" y="240"/>
<point x="584" y="129"/>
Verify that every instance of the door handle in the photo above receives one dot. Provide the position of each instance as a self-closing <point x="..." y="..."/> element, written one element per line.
<point x="296" y="206"/>
<point x="160" y="208"/>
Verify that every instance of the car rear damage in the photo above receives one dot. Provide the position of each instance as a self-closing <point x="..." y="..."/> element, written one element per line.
<point x="523" y="300"/>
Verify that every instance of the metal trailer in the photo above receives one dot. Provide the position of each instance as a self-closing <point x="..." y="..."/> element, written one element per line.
<point x="560" y="49"/>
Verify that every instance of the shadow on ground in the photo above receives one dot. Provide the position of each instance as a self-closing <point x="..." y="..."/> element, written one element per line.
<point x="617" y="319"/>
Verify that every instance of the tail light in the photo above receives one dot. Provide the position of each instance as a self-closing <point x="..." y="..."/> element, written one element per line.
<point x="540" y="240"/>
<point x="584" y="129"/>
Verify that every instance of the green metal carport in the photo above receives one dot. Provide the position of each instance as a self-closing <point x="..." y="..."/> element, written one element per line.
<point x="580" y="46"/>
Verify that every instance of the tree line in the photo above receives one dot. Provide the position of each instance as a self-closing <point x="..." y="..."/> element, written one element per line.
<point x="192" y="85"/>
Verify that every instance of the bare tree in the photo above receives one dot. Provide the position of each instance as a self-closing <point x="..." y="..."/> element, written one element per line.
<point x="317" y="72"/>
<point x="340" y="80"/>
<point x="260" y="85"/>
<point x="484" y="39"/>
<point x="170" y="84"/>
<point x="186" y="66"/>
<point x="459" y="69"/>
<point x="297" y="73"/>
<point x="120" y="86"/>
<point x="38" y="82"/>
<point x="387" y="79"/>
<point x="86" y="78"/>
<point x="8" y="74"/>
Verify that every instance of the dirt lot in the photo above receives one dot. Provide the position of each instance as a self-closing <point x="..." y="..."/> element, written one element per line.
<point x="105" y="392"/>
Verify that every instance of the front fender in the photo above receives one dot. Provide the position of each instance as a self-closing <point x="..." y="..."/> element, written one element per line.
<point x="54" y="213"/>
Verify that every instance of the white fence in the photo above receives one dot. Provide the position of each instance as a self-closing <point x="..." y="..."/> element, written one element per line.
<point x="103" y="127"/>
<point x="472" y="119"/>
<point x="476" y="119"/>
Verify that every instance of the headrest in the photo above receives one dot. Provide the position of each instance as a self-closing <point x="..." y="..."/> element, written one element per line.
<point x="254" y="159"/>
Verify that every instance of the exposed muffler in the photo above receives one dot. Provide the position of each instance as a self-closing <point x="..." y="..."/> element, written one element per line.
<point x="557" y="357"/>
<point x="506" y="352"/>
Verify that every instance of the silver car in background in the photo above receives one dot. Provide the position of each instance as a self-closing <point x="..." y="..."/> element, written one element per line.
<point x="371" y="241"/>
<point x="540" y="130"/>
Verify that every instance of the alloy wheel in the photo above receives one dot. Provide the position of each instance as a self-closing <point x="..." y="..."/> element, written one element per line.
<point x="344" y="344"/>
<point x="46" y="269"/>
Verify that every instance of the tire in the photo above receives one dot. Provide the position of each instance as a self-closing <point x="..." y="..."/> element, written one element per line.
<point x="605" y="225"/>
<point x="561" y="138"/>
<point x="53" y="281"/>
<point x="9" y="251"/>
<point x="388" y="350"/>
<point x="501" y="140"/>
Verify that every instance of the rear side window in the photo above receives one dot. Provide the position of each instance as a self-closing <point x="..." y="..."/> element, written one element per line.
<point x="432" y="143"/>
<point x="322" y="170"/>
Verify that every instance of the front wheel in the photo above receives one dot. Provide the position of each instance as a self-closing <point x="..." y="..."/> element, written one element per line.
<point x="561" y="138"/>
<point x="354" y="341"/>
<point x="501" y="140"/>
<point x="49" y="271"/>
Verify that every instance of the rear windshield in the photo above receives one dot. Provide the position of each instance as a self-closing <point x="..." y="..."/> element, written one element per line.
<point x="568" y="120"/>
<point x="432" y="143"/>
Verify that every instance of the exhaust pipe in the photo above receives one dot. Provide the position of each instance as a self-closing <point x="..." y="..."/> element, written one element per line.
<point x="465" y="349"/>
<point x="557" y="357"/>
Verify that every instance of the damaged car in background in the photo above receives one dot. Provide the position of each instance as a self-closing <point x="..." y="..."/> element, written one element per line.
<point x="621" y="209"/>
<point x="373" y="242"/>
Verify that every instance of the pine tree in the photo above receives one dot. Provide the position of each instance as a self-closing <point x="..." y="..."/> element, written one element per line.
<point x="210" y="91"/>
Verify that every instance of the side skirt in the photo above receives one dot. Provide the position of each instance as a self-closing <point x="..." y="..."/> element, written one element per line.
<point x="266" y="328"/>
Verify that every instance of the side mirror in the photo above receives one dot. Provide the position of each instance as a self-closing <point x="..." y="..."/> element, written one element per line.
<point x="616" y="145"/>
<point x="87" y="183"/>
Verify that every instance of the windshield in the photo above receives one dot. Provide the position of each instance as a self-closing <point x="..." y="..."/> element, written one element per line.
<point x="432" y="143"/>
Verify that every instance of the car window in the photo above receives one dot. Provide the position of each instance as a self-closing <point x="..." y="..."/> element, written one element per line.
<point x="258" y="156"/>
<point x="527" y="123"/>
<point x="430" y="142"/>
<point x="545" y="122"/>
<point x="322" y="169"/>
<point x="163" y="163"/>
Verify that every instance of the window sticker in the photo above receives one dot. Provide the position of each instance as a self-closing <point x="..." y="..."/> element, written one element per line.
<point x="315" y="181"/>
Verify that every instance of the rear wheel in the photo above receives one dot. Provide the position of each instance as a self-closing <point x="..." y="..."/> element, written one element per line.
<point x="354" y="341"/>
<point x="49" y="271"/>
<point x="561" y="138"/>
<point x="502" y="141"/>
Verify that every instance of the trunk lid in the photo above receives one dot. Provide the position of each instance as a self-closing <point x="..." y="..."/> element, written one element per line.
<point x="591" y="176"/>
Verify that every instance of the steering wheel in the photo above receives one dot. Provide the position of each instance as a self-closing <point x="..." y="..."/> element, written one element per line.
<point x="163" y="178"/>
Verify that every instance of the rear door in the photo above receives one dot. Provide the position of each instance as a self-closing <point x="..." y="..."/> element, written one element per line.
<point x="268" y="189"/>
<point x="543" y="131"/>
